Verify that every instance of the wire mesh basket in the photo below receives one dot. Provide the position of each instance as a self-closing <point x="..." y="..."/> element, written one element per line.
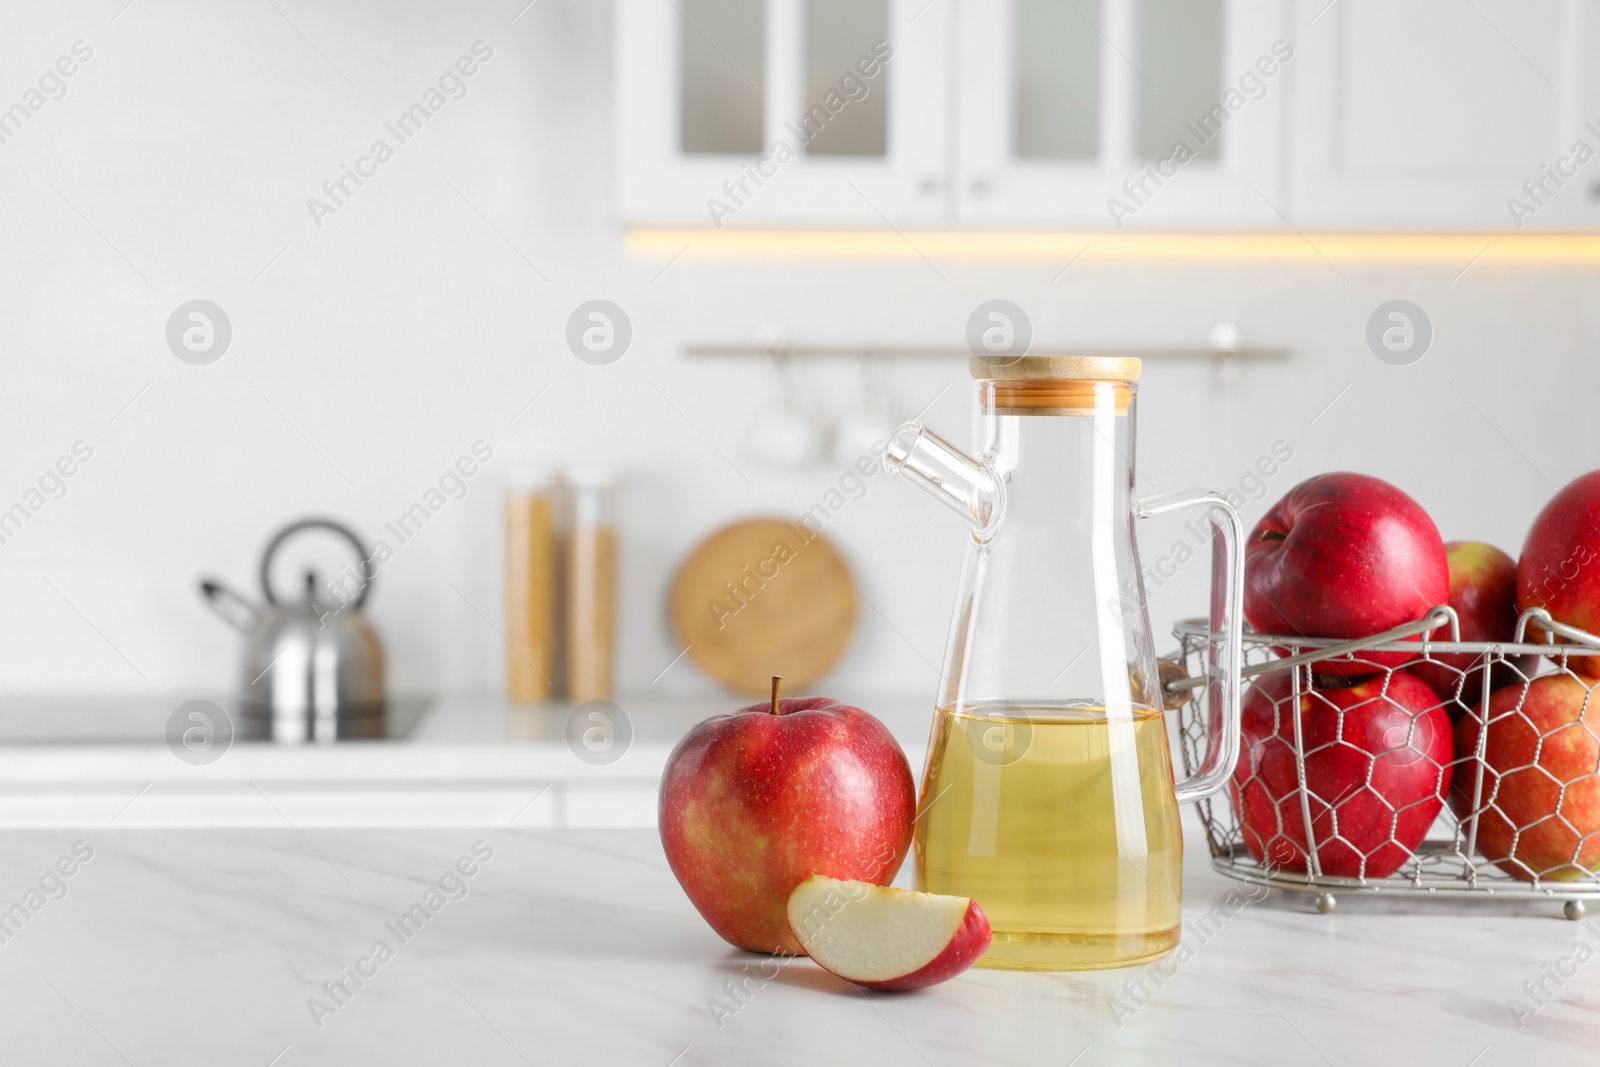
<point x="1401" y="763"/>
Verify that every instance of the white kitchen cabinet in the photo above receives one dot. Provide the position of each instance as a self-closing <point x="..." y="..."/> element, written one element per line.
<point x="1110" y="114"/>
<point x="1431" y="114"/>
<point x="1178" y="121"/>
<point x="781" y="112"/>
<point x="992" y="112"/>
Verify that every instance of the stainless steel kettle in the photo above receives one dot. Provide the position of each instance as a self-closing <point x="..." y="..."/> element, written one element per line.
<point x="312" y="669"/>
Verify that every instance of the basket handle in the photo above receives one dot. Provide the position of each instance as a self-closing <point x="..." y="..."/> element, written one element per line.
<point x="1224" y="653"/>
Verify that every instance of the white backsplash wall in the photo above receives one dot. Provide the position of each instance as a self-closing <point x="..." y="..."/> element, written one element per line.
<point x="370" y="352"/>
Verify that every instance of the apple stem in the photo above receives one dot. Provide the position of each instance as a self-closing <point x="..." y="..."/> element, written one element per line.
<point x="776" y="678"/>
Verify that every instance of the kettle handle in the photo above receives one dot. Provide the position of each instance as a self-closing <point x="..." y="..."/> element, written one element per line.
<point x="362" y="555"/>
<point x="1224" y="657"/>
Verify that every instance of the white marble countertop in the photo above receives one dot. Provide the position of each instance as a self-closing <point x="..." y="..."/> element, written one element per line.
<point x="204" y="947"/>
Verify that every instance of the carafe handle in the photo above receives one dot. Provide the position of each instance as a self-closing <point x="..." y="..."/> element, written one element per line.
<point x="1224" y="655"/>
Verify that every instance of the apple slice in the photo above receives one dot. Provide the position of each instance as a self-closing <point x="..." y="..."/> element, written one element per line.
<point x="886" y="938"/>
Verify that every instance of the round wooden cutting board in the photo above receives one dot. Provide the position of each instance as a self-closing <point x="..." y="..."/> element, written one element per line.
<point x="764" y="597"/>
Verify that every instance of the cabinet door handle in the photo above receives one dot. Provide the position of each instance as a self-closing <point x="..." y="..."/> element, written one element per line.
<point x="980" y="185"/>
<point x="929" y="184"/>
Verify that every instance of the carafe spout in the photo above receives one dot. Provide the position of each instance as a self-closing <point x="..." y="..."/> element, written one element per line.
<point x="969" y="486"/>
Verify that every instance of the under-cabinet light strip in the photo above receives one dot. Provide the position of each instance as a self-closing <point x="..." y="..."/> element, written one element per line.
<point x="880" y="352"/>
<point x="990" y="245"/>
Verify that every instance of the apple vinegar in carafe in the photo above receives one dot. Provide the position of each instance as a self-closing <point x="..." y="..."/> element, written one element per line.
<point x="1048" y="795"/>
<point x="1062" y="824"/>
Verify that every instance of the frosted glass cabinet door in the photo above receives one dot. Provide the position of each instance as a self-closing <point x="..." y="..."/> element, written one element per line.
<point x="781" y="112"/>
<point x="1056" y="80"/>
<point x="1180" y="54"/>
<point x="1122" y="113"/>
<point x="1434" y="113"/>
<point x="855" y="122"/>
<point x="721" y="70"/>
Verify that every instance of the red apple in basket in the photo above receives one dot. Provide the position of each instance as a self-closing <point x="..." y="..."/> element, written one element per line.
<point x="1344" y="555"/>
<point x="756" y="802"/>
<point x="886" y="938"/>
<point x="1539" y="801"/>
<point x="1560" y="566"/>
<point x="1483" y="590"/>
<point x="1377" y="766"/>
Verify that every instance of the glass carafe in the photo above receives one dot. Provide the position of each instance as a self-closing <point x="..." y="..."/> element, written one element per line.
<point x="1048" y="795"/>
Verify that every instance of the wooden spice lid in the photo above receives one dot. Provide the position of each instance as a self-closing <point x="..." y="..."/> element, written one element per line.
<point x="1057" y="368"/>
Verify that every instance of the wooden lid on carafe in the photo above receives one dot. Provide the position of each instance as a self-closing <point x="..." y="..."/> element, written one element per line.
<point x="1056" y="368"/>
<point x="1056" y="385"/>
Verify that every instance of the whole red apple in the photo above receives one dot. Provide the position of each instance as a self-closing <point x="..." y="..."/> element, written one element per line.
<point x="756" y="802"/>
<point x="1483" y="590"/>
<point x="1539" y="802"/>
<point x="1560" y="566"/>
<point x="1377" y="766"/>
<point x="1344" y="555"/>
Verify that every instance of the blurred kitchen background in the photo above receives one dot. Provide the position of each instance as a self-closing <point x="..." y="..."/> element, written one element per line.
<point x="1367" y="152"/>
